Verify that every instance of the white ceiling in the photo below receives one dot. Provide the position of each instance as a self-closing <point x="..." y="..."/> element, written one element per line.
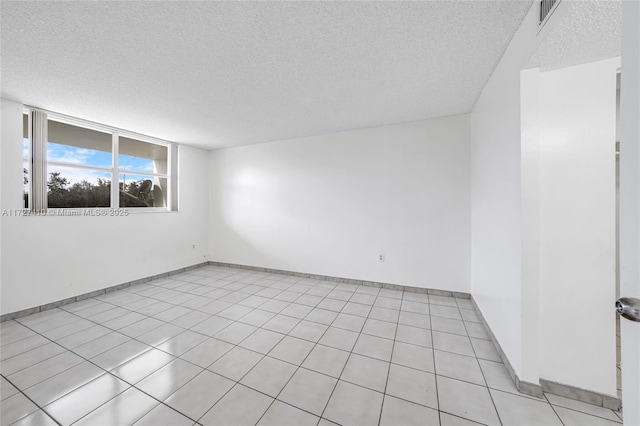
<point x="587" y="31"/>
<point x="218" y="74"/>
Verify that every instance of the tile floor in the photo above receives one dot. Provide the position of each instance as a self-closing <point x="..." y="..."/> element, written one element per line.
<point x="222" y="346"/>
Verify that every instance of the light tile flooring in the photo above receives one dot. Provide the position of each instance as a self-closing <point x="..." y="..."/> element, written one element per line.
<point x="222" y="346"/>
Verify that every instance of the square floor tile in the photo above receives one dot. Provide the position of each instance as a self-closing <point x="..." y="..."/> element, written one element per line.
<point x="484" y="349"/>
<point x="476" y="330"/>
<point x="281" y="414"/>
<point x="375" y="347"/>
<point x="235" y="363"/>
<point x="262" y="341"/>
<point x="332" y="304"/>
<point x="447" y="419"/>
<point x="448" y="325"/>
<point x="415" y="320"/>
<point x="459" y="367"/>
<point x="143" y="365"/>
<point x="308" y="391"/>
<point x="379" y="328"/>
<point x="443" y="300"/>
<point x="235" y="333"/>
<point x="257" y="317"/>
<point x="368" y="372"/>
<point x="297" y="311"/>
<point x="126" y="408"/>
<point x="577" y="418"/>
<point x="275" y="306"/>
<point x="339" y="338"/>
<point x="207" y="352"/>
<point x="30" y="358"/>
<point x="45" y="369"/>
<point x="292" y="349"/>
<point x="452" y="343"/>
<point x="349" y="322"/>
<point x="413" y="356"/>
<point x="61" y="384"/>
<point x="15" y="408"/>
<point x="476" y="404"/>
<point x="281" y="324"/>
<point x="163" y="414"/>
<point x="353" y="405"/>
<point x="182" y="343"/>
<point x="573" y="404"/>
<point x="85" y="399"/>
<point x="141" y="327"/>
<point x="124" y="321"/>
<point x="269" y="376"/>
<point x="309" y="300"/>
<point x="340" y="295"/>
<point x="384" y="314"/>
<point x="37" y="418"/>
<point x="445" y="312"/>
<point x="22" y="346"/>
<point x="101" y="344"/>
<point x="365" y="299"/>
<point x="241" y="406"/>
<point x="6" y="389"/>
<point x="169" y="379"/>
<point x="321" y="316"/>
<point x="386" y="302"/>
<point x="211" y="326"/>
<point x="415" y="307"/>
<point x="84" y="336"/>
<point x="514" y="409"/>
<point x="497" y="376"/>
<point x="470" y="315"/>
<point x="326" y="360"/>
<point x="191" y="319"/>
<point x="412" y="385"/>
<point x="172" y="314"/>
<point x="357" y="309"/>
<point x="400" y="412"/>
<point x="414" y="335"/>
<point x="200" y="394"/>
<point x="308" y="330"/>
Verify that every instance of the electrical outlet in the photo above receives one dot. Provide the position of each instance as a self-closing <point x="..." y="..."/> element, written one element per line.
<point x="194" y="246"/>
<point x="381" y="257"/>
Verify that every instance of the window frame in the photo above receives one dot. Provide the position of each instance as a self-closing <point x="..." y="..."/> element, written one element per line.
<point x="38" y="144"/>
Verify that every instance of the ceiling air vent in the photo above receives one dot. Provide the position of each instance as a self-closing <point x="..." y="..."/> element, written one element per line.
<point x="545" y="8"/>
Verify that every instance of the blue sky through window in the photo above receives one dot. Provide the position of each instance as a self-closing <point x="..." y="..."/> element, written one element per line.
<point x="138" y="164"/>
<point x="91" y="157"/>
<point x="77" y="155"/>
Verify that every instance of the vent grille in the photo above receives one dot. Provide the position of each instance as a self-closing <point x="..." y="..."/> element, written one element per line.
<point x="545" y="8"/>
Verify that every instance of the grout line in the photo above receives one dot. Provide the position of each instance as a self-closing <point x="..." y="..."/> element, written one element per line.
<point x="178" y="289"/>
<point x="435" y="367"/>
<point x="553" y="408"/>
<point x="32" y="401"/>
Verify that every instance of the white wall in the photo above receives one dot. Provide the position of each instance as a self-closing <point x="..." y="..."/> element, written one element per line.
<point x="496" y="215"/>
<point x="577" y="226"/>
<point x="45" y="259"/>
<point x="530" y="201"/>
<point x="630" y="205"/>
<point x="331" y="204"/>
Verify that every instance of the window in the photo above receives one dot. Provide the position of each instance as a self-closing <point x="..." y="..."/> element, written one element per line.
<point x="26" y="155"/>
<point x="83" y="165"/>
<point x="143" y="173"/>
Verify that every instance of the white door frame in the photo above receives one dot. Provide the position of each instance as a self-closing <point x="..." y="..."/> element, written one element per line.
<point x="630" y="205"/>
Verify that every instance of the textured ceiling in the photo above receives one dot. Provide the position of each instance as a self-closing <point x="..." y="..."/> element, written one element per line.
<point x="216" y="74"/>
<point x="588" y="31"/>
